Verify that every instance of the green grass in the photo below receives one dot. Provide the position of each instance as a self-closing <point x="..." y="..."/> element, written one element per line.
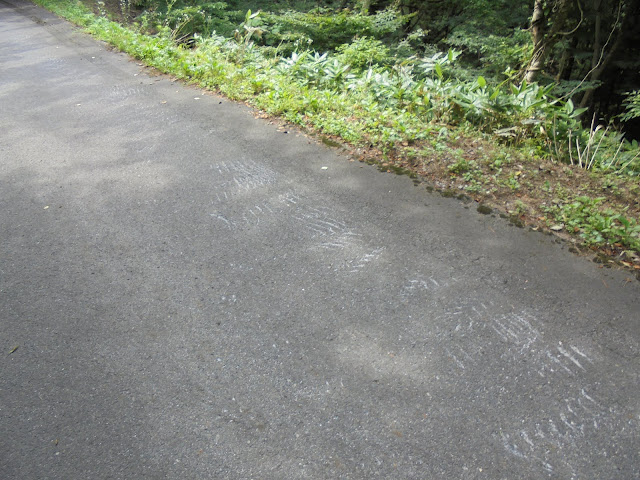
<point x="489" y="141"/>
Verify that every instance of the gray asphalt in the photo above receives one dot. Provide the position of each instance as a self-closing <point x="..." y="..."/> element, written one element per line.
<point x="196" y="294"/>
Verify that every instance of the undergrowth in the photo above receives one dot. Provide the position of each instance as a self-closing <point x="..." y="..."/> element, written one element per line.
<point x="398" y="105"/>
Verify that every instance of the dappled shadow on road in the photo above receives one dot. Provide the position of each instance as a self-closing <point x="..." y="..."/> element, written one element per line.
<point x="195" y="296"/>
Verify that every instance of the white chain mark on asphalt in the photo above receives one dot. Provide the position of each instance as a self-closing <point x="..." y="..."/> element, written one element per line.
<point x="346" y="249"/>
<point x="520" y="347"/>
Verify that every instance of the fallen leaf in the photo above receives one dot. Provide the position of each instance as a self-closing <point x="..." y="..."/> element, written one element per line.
<point x="14" y="349"/>
<point x="557" y="228"/>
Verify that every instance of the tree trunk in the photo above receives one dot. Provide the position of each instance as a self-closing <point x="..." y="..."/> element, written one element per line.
<point x="597" y="72"/>
<point x="537" y="33"/>
<point x="601" y="58"/>
<point x="596" y="37"/>
<point x="543" y="42"/>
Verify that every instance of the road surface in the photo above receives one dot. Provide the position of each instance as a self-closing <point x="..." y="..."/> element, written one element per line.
<point x="188" y="292"/>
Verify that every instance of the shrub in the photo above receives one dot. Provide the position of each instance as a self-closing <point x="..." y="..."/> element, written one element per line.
<point x="363" y="53"/>
<point x="324" y="30"/>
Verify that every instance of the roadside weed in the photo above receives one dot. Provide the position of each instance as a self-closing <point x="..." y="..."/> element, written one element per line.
<point x="412" y="110"/>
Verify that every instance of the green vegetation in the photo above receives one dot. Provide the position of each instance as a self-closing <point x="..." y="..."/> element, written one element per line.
<point x="370" y="75"/>
<point x="595" y="225"/>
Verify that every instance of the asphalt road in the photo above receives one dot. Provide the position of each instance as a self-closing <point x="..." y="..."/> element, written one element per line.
<point x="188" y="292"/>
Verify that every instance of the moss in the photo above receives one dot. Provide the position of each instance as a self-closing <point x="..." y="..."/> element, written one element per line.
<point x="484" y="209"/>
